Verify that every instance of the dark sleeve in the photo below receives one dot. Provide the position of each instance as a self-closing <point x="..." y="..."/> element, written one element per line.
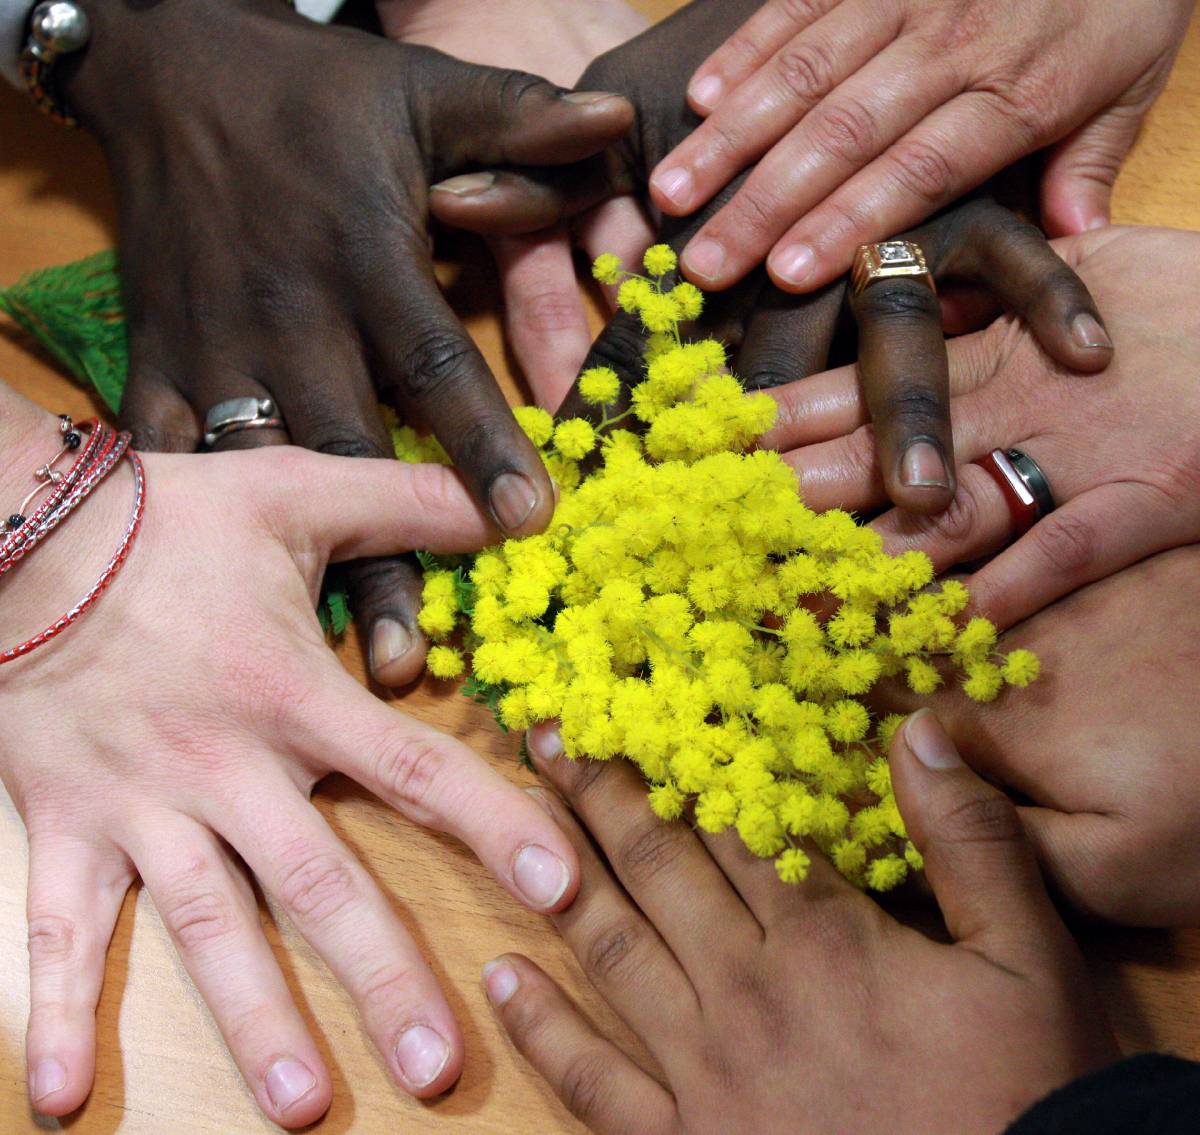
<point x="1154" y="1095"/>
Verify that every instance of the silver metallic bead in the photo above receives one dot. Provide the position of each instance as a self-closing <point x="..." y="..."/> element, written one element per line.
<point x="58" y="27"/>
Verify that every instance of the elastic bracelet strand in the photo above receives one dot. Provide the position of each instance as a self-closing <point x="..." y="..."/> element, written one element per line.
<point x="96" y="432"/>
<point x="106" y="576"/>
<point x="105" y="465"/>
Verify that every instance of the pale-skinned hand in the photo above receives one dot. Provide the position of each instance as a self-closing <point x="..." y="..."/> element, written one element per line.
<point x="177" y="732"/>
<point x="768" y="1008"/>
<point x="868" y="117"/>
<point x="1120" y="448"/>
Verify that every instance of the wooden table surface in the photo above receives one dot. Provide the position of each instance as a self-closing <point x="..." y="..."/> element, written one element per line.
<point x="162" y="1066"/>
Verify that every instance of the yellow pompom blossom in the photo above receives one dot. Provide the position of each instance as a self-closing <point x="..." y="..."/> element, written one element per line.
<point x="685" y="610"/>
<point x="444" y="662"/>
<point x="607" y="268"/>
<point x="599" y="386"/>
<point x="659" y="260"/>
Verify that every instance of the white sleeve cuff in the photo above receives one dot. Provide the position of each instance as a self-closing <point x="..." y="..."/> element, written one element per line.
<point x="14" y="14"/>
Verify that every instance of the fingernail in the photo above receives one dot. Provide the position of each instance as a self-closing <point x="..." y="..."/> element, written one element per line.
<point x="544" y="742"/>
<point x="422" y="1054"/>
<point x="288" y="1082"/>
<point x="389" y="640"/>
<point x="922" y="467"/>
<point x="47" y="1077"/>
<point x="704" y="258"/>
<point x="1087" y="332"/>
<point x="706" y="92"/>
<point x="540" y="876"/>
<point x="501" y="982"/>
<point x="675" y="185"/>
<point x="794" y="264"/>
<point x="513" y="498"/>
<point x="589" y="98"/>
<point x="466" y="184"/>
<point x="928" y="741"/>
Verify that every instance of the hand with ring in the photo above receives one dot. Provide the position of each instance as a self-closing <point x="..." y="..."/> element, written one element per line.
<point x="1118" y="451"/>
<point x="774" y="337"/>
<point x="272" y="180"/>
<point x="177" y="732"/>
<point x="864" y="118"/>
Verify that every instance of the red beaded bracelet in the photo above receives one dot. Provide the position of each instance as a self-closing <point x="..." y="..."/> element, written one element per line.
<point x="106" y="576"/>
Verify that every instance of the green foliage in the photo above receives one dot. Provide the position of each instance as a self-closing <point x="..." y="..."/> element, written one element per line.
<point x="486" y="694"/>
<point x="74" y="312"/>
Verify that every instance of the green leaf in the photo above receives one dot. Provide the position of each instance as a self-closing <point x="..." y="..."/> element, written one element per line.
<point x="74" y="312"/>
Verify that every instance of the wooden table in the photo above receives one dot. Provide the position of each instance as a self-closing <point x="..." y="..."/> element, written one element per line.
<point x="162" y="1066"/>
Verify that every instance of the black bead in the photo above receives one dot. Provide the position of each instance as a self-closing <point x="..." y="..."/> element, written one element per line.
<point x="15" y="521"/>
<point x="72" y="440"/>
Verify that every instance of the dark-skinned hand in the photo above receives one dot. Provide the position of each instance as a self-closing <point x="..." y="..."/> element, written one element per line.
<point x="775" y="337"/>
<point x="804" y="1009"/>
<point x="271" y="178"/>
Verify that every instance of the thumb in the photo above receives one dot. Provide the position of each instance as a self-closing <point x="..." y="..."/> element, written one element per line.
<point x="977" y="858"/>
<point x="351" y="508"/>
<point x="1080" y="171"/>
<point x="474" y="115"/>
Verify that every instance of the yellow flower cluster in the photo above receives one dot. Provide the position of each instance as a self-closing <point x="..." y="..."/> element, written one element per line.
<point x="687" y="612"/>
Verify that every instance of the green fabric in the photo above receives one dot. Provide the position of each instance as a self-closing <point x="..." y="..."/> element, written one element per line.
<point x="74" y="312"/>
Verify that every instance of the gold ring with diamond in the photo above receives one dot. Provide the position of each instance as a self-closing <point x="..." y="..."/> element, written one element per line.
<point x="889" y="260"/>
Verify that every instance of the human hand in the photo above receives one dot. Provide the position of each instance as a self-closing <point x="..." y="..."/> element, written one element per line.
<point x="771" y="1008"/>
<point x="271" y="179"/>
<point x="774" y="337"/>
<point x="1119" y="449"/>
<point x="544" y="314"/>
<point x="177" y="732"/>
<point x="1102" y="749"/>
<point x="864" y="119"/>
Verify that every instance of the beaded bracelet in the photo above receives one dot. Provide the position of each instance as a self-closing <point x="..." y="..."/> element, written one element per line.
<point x="110" y="451"/>
<point x="113" y="566"/>
<point x="45" y="474"/>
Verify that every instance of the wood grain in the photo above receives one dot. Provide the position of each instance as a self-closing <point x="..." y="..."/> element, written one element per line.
<point x="162" y="1066"/>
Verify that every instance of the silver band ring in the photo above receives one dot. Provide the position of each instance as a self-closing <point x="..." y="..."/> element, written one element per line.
<point x="237" y="414"/>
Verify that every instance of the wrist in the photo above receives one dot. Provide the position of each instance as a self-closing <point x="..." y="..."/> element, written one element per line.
<point x="136" y="65"/>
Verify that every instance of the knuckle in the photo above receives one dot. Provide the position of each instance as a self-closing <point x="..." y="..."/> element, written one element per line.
<point x="806" y="71"/>
<point x="546" y="312"/>
<point x="434" y="361"/>
<point x="913" y="408"/>
<point x="922" y="171"/>
<point x="409" y="770"/>
<point x="387" y="989"/>
<point x="846" y="130"/>
<point x="649" y="852"/>
<point x="612" y="951"/>
<point x="586" y="1084"/>
<point x="576" y="779"/>
<point x="758" y="212"/>
<point x="1022" y="104"/>
<point x="316" y="885"/>
<point x="53" y="942"/>
<point x="862" y="450"/>
<point x="897" y="301"/>
<point x="198" y="914"/>
<point x="960" y="519"/>
<point x="1067" y="542"/>
<point x="979" y="820"/>
<point x="344" y="439"/>
<point x="619" y="347"/>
